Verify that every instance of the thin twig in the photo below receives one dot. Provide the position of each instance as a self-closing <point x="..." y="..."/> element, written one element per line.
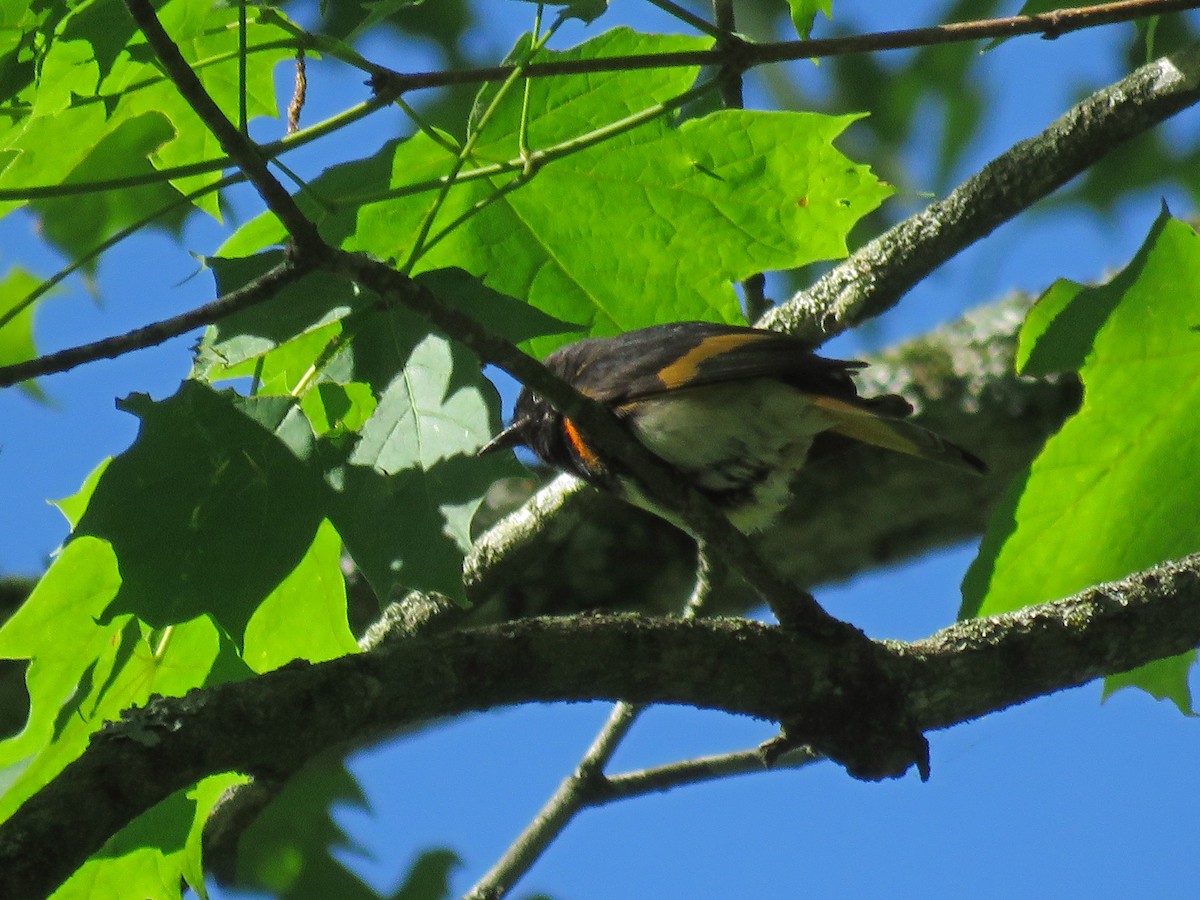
<point x="560" y="150"/>
<point x="243" y="108"/>
<point x="695" y="771"/>
<point x="173" y="173"/>
<point x="754" y="300"/>
<point x="587" y="784"/>
<point x="394" y="83"/>
<point x="108" y="243"/>
<point x="240" y="149"/>
<point x="718" y="30"/>
<point x="259" y="290"/>
<point x="743" y="54"/>
<point x="731" y="88"/>
<point x="478" y="126"/>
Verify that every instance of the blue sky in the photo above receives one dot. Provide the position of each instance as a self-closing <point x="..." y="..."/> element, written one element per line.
<point x="1061" y="797"/>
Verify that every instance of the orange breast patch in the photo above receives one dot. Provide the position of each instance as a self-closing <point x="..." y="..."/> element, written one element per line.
<point x="586" y="455"/>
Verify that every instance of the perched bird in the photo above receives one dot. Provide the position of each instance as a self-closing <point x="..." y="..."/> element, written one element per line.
<point x="734" y="409"/>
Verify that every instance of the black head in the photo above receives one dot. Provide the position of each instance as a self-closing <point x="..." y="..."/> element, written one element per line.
<point x="539" y="426"/>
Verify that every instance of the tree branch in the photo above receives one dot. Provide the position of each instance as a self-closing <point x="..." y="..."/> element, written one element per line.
<point x="236" y="145"/>
<point x="273" y="723"/>
<point x="874" y="278"/>
<point x="692" y="771"/>
<point x="578" y="789"/>
<point x="257" y="291"/>
<point x="740" y="54"/>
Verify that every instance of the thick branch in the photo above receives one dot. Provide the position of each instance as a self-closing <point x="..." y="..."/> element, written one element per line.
<point x="874" y="278"/>
<point x="272" y="724"/>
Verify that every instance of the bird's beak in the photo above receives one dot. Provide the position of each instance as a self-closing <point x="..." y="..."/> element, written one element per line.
<point x="512" y="436"/>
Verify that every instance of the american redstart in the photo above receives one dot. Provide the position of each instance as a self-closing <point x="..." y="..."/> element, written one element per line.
<point x="734" y="409"/>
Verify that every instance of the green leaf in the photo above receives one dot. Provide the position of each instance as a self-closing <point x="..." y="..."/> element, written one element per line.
<point x="279" y="371"/>
<point x="16" y="335"/>
<point x="424" y="418"/>
<point x="287" y="849"/>
<point x="155" y="852"/>
<point x="56" y="629"/>
<point x="1085" y="512"/>
<point x="405" y="495"/>
<point x="305" y="617"/>
<point x="207" y="512"/>
<point x="72" y="507"/>
<point x="339" y="191"/>
<point x="300" y="308"/>
<point x="84" y="672"/>
<point x="145" y="872"/>
<point x="78" y="223"/>
<point x="804" y="13"/>
<point x="712" y="201"/>
<point x="1164" y="679"/>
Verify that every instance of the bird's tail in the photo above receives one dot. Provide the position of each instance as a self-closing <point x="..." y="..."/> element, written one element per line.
<point x="881" y="428"/>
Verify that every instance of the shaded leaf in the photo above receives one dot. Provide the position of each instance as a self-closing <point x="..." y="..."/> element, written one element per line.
<point x="288" y="849"/>
<point x="499" y="313"/>
<point x="1164" y="679"/>
<point x="429" y="877"/>
<point x="300" y="308"/>
<point x="404" y="496"/>
<point x="207" y="512"/>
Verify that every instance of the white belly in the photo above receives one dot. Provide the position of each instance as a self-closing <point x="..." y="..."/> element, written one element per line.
<point x="745" y="458"/>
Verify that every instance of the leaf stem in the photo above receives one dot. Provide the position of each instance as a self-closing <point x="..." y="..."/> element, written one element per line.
<point x="450" y="179"/>
<point x="269" y="151"/>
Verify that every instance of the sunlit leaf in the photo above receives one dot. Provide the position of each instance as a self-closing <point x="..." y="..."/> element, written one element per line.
<point x="804" y="13"/>
<point x="1090" y="509"/>
<point x="16" y="335"/>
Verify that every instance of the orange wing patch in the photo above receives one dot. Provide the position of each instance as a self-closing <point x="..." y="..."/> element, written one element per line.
<point x="586" y="454"/>
<point x="681" y="372"/>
